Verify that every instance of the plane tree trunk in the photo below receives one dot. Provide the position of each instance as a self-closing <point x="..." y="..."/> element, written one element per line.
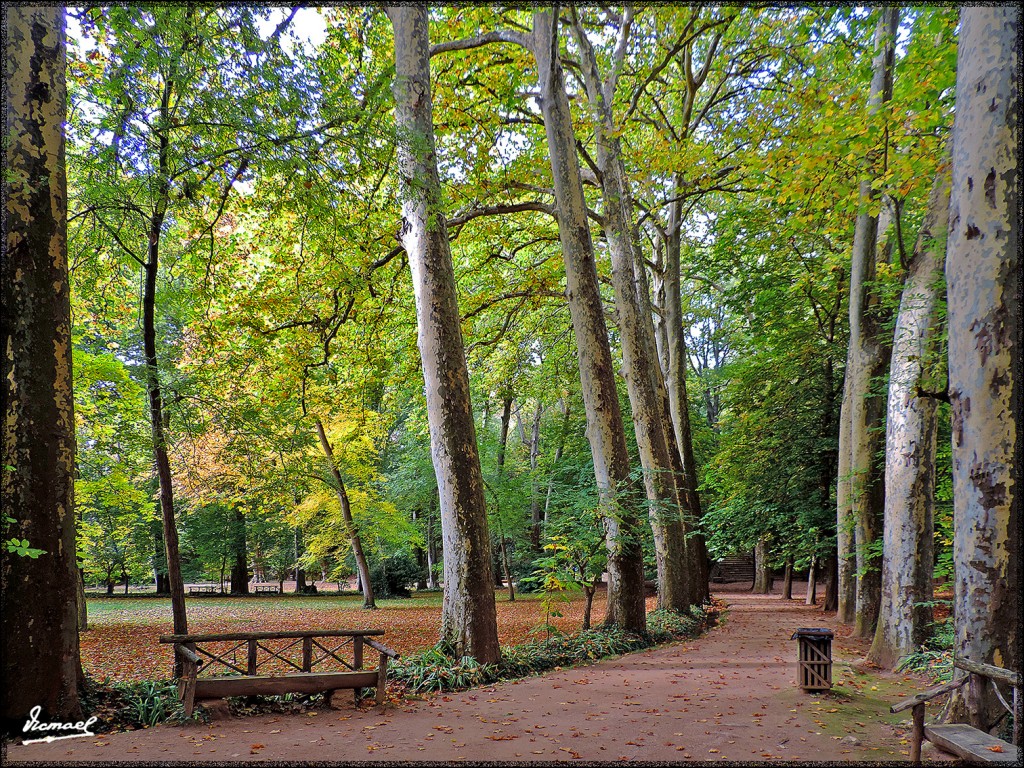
<point x="911" y="426"/>
<point x="640" y="366"/>
<point x="41" y="661"/>
<point x="867" y="358"/>
<point x="982" y="271"/>
<point x="468" y="616"/>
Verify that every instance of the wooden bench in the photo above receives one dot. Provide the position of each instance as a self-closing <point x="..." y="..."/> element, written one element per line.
<point x="206" y="590"/>
<point x="962" y="740"/>
<point x="267" y="590"/>
<point x="243" y="678"/>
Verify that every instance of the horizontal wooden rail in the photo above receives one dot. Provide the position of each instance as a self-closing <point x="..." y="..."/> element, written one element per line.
<point x="987" y="670"/>
<point x="928" y="695"/>
<point x="190" y="655"/>
<point x="239" y="636"/>
<point x="382" y="648"/>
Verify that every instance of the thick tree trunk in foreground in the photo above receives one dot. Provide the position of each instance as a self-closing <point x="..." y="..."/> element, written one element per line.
<point x="867" y="355"/>
<point x="982" y="273"/>
<point x="640" y="366"/>
<point x="346" y="513"/>
<point x="468" y="618"/>
<point x="41" y="663"/>
<point x="605" y="430"/>
<point x="911" y="426"/>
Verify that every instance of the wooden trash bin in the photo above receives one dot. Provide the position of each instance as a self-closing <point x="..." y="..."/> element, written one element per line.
<point x="814" y="658"/>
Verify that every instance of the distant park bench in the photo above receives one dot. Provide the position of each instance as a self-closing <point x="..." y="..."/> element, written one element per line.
<point x="267" y="589"/>
<point x="204" y="589"/>
<point x="243" y="678"/>
<point x="960" y="739"/>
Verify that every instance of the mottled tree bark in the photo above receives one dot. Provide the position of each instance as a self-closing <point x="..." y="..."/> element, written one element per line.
<point x="911" y="426"/>
<point x="41" y="662"/>
<point x="346" y="514"/>
<point x="605" y="429"/>
<point x="640" y="365"/>
<point x="982" y="271"/>
<point x="867" y="356"/>
<point x="468" y="617"/>
<point x="846" y="562"/>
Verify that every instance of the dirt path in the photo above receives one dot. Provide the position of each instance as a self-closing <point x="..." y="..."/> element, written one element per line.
<point x="730" y="696"/>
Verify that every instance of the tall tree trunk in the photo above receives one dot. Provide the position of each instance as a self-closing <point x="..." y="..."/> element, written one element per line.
<point x="678" y="397"/>
<point x="468" y="617"/>
<point x="535" y="507"/>
<point x="831" y="601"/>
<point x="640" y="366"/>
<point x="41" y="662"/>
<point x="563" y="435"/>
<point x="846" y="560"/>
<point x="911" y="427"/>
<point x="240" y="564"/>
<point x="812" y="582"/>
<point x="506" y="418"/>
<point x="762" y="570"/>
<point x="605" y="430"/>
<point x="431" y="546"/>
<point x="156" y="407"/>
<point x="787" y="583"/>
<point x="346" y="513"/>
<point x="867" y="355"/>
<point x="982" y="271"/>
<point x="300" y="573"/>
<point x="160" y="580"/>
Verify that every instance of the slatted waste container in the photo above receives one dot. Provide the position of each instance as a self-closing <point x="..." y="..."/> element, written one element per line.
<point x="815" y="658"/>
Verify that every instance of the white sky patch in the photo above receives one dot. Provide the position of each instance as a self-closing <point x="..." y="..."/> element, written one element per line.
<point x="308" y="27"/>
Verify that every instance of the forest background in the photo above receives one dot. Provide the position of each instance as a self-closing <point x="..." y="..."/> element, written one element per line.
<point x="761" y="193"/>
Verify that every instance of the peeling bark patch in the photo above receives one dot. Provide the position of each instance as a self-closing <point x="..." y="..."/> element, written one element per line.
<point x="972" y="232"/>
<point x="993" y="493"/>
<point x="990" y="188"/>
<point x="991" y="334"/>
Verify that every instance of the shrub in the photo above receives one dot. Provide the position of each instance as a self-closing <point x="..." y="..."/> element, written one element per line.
<point x="436" y="670"/>
<point x="392" y="575"/>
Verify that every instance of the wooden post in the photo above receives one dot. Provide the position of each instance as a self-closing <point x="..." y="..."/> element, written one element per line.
<point x="307" y="654"/>
<point x="251" y="667"/>
<point x="357" y="663"/>
<point x="918" y="734"/>
<point x="1017" y="715"/>
<point x="382" y="678"/>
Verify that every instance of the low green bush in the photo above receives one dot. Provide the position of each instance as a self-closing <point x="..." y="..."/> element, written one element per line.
<point x="935" y="656"/>
<point x="436" y="670"/>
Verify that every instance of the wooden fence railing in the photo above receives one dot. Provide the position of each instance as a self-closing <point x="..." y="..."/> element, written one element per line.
<point x="272" y="663"/>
